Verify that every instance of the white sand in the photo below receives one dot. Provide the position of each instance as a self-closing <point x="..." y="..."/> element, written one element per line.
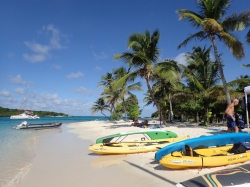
<point x="63" y="159"/>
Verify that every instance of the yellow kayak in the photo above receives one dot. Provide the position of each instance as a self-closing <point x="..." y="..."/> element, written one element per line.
<point x="133" y="147"/>
<point x="204" y="157"/>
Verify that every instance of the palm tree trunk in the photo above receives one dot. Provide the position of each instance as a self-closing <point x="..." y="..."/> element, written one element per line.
<point x="155" y="101"/>
<point x="104" y="114"/>
<point x="170" y="107"/>
<point x="206" y="114"/>
<point x="124" y="109"/>
<point x="220" y="70"/>
<point x="197" y="117"/>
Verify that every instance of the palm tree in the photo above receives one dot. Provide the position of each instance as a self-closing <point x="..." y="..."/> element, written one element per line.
<point x="100" y="105"/>
<point x="212" y="23"/>
<point x="125" y="89"/>
<point x="114" y="95"/>
<point x="167" y="78"/>
<point x="144" y="55"/>
<point x="240" y="83"/>
<point x="108" y="93"/>
<point x="106" y="80"/>
<point x="202" y="76"/>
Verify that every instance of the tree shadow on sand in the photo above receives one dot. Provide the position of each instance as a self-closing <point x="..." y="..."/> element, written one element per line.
<point x="116" y="126"/>
<point x="150" y="172"/>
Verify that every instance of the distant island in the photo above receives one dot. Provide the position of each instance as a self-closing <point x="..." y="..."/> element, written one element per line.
<point x="6" y="112"/>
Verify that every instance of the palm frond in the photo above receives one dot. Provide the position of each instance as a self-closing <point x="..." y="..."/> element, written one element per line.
<point x="190" y="17"/>
<point x="120" y="82"/>
<point x="197" y="36"/>
<point x="246" y="65"/>
<point x="248" y="37"/>
<point x="233" y="44"/>
<point x="237" y="22"/>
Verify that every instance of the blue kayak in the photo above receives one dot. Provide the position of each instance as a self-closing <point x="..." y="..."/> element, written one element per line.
<point x="204" y="141"/>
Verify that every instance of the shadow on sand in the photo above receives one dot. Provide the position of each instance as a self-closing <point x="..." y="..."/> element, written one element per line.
<point x="147" y="171"/>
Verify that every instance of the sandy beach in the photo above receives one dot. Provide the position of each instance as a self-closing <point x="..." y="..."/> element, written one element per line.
<point x="63" y="159"/>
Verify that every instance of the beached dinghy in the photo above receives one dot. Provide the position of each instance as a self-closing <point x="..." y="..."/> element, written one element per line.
<point x="206" y="157"/>
<point x="143" y="135"/>
<point x="26" y="125"/>
<point x="132" y="147"/>
<point x="205" y="141"/>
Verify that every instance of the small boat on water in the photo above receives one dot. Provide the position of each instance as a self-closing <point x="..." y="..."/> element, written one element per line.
<point x="26" y="125"/>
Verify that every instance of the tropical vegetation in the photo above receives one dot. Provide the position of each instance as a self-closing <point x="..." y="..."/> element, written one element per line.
<point x="191" y="91"/>
<point x="6" y="112"/>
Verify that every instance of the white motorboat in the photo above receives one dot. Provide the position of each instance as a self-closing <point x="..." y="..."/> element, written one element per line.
<point x="26" y="125"/>
<point x="26" y="115"/>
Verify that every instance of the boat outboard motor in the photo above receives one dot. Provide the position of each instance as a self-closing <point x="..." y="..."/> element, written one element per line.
<point x="23" y="124"/>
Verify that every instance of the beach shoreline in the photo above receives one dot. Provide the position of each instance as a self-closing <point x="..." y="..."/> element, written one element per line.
<point x="63" y="159"/>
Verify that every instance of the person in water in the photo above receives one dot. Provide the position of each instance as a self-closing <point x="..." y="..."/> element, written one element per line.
<point x="231" y="123"/>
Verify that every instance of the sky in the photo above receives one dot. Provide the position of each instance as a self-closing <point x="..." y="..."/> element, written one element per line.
<point x="54" y="52"/>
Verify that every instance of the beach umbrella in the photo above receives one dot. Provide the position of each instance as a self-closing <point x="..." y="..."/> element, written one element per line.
<point x="247" y="91"/>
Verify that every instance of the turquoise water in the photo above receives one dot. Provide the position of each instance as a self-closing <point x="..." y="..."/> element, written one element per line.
<point x="16" y="146"/>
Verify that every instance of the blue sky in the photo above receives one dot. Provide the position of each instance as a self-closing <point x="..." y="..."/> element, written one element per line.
<point x="61" y="48"/>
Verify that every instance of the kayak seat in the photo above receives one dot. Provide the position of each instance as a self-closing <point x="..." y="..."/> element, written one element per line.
<point x="190" y="152"/>
<point x="198" y="152"/>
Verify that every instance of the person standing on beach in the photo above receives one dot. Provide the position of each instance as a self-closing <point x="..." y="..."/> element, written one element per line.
<point x="231" y="124"/>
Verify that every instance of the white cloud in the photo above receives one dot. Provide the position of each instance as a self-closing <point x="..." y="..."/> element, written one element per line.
<point x="38" y="48"/>
<point x="5" y="93"/>
<point x="42" y="52"/>
<point x="181" y="59"/>
<point x="56" y="37"/>
<point x="11" y="55"/>
<point x="211" y="56"/>
<point x="98" y="68"/>
<point x="100" y="56"/>
<point x="34" y="57"/>
<point x="82" y="90"/>
<point x="46" y="102"/>
<point x="75" y="75"/>
<point x="17" y="80"/>
<point x="56" y="66"/>
<point x="19" y="90"/>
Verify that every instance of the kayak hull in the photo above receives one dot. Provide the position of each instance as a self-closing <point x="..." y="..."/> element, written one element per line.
<point x="132" y="147"/>
<point x="206" y="141"/>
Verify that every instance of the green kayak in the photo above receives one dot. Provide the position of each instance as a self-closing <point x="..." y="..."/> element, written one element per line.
<point x="143" y="135"/>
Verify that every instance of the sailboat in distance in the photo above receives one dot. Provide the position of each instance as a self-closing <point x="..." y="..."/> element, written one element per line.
<point x="27" y="114"/>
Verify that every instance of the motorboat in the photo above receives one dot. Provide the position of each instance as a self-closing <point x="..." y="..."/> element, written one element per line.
<point x="26" y="125"/>
<point x="26" y="115"/>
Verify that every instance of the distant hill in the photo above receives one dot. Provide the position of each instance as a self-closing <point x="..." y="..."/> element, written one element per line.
<point x="6" y="112"/>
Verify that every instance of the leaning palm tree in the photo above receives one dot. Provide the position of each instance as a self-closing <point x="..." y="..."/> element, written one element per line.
<point x="100" y="105"/>
<point x="143" y="57"/>
<point x="213" y="24"/>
